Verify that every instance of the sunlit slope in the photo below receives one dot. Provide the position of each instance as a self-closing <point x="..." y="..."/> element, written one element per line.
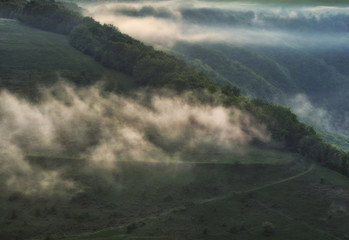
<point x="308" y="203"/>
<point x="30" y="57"/>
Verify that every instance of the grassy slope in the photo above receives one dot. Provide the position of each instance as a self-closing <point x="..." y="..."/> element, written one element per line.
<point x="135" y="192"/>
<point x="28" y="56"/>
<point x="190" y="201"/>
<point x="300" y="207"/>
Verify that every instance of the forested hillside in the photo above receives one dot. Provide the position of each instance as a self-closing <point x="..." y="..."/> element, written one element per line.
<point x="277" y="74"/>
<point x="287" y="52"/>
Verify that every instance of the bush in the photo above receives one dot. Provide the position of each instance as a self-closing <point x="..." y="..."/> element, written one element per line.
<point x="268" y="229"/>
<point x="130" y="228"/>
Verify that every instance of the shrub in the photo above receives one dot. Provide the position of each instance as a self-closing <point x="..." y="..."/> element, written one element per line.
<point x="130" y="228"/>
<point x="268" y="229"/>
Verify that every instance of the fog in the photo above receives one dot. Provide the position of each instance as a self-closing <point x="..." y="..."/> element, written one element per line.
<point x="313" y="31"/>
<point x="101" y="129"/>
<point x="165" y="22"/>
<point x="316" y="116"/>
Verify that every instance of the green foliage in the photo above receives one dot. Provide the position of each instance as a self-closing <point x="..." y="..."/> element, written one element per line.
<point x="50" y="16"/>
<point x="149" y="67"/>
<point x="156" y="71"/>
<point x="81" y="39"/>
<point x="131" y="228"/>
<point x="339" y="141"/>
<point x="298" y="137"/>
<point x="107" y="45"/>
<point x="284" y="125"/>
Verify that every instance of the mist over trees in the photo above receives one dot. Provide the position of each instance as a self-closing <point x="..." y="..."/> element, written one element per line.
<point x="284" y="50"/>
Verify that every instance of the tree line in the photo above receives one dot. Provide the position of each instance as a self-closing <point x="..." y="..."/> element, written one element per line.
<point x="153" y="68"/>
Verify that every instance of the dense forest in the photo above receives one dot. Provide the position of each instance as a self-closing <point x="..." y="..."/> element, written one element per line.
<point x="156" y="69"/>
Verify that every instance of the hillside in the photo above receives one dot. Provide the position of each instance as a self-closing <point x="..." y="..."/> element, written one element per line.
<point x="279" y="75"/>
<point x="179" y="156"/>
<point x="308" y="205"/>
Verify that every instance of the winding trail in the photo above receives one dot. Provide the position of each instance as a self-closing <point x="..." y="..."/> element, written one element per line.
<point x="311" y="167"/>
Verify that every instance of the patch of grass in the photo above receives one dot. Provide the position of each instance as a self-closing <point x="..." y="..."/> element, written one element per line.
<point x="30" y="57"/>
<point x="329" y="177"/>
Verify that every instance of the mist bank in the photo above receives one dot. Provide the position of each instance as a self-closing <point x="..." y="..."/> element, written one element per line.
<point x="102" y="129"/>
<point x="164" y="22"/>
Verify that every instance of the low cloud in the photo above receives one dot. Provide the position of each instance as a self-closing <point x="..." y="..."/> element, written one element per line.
<point x="18" y="175"/>
<point x="318" y="117"/>
<point x="306" y="111"/>
<point x="101" y="129"/>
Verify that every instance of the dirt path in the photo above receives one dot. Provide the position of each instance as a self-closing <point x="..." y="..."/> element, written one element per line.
<point x="311" y="167"/>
